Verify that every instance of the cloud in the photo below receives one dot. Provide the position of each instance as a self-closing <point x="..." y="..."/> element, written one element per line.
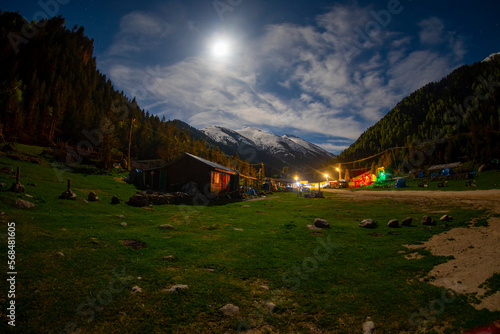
<point x="293" y="77"/>
<point x="138" y="31"/>
<point x="432" y="31"/>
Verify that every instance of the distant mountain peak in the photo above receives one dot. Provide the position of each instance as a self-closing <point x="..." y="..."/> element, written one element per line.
<point x="491" y="57"/>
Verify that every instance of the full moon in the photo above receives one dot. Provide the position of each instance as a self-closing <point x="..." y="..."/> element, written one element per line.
<point x="220" y="49"/>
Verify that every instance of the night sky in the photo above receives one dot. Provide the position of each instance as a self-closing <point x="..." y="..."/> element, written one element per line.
<point x="321" y="70"/>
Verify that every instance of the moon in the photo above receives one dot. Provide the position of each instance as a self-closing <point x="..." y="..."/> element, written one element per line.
<point x="221" y="49"/>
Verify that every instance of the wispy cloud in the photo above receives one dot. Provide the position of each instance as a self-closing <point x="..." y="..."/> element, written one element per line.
<point x="292" y="76"/>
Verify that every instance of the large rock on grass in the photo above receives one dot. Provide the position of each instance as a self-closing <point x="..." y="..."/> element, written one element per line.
<point x="407" y="221"/>
<point x="22" y="204"/>
<point x="115" y="200"/>
<point x="428" y="221"/>
<point x="138" y="200"/>
<point x="93" y="197"/>
<point x="321" y="223"/>
<point x="230" y="310"/>
<point x="68" y="194"/>
<point x="368" y="223"/>
<point x="393" y="223"/>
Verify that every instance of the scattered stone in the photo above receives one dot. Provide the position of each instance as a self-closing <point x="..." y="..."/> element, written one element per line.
<point x="123" y="224"/>
<point x="3" y="185"/>
<point x="17" y="188"/>
<point x="245" y="206"/>
<point x="446" y="218"/>
<point x="229" y="310"/>
<point x="393" y="223"/>
<point x="368" y="326"/>
<point x="321" y="223"/>
<point x="6" y="169"/>
<point x="134" y="244"/>
<point x="60" y="254"/>
<point x="138" y="200"/>
<point x="238" y="229"/>
<point x="115" y="200"/>
<point x="22" y="204"/>
<point x="93" y="197"/>
<point x="368" y="223"/>
<point x="272" y="307"/>
<point x="95" y="242"/>
<point x="68" y="194"/>
<point x="407" y="221"/>
<point x="136" y="289"/>
<point x="29" y="196"/>
<point x="314" y="228"/>
<point x="265" y="287"/>
<point x="428" y="221"/>
<point x="83" y="200"/>
<point x="64" y="229"/>
<point x="120" y="216"/>
<point x="170" y="258"/>
<point x="168" y="227"/>
<point x="177" y="287"/>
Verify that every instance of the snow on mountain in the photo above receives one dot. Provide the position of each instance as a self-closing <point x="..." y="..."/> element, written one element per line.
<point x="491" y="56"/>
<point x="226" y="136"/>
<point x="288" y="149"/>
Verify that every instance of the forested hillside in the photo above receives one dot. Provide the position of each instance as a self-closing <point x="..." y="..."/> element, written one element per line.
<point x="455" y="119"/>
<point x="51" y="93"/>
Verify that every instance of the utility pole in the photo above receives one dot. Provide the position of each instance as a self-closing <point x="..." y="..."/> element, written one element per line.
<point x="130" y="142"/>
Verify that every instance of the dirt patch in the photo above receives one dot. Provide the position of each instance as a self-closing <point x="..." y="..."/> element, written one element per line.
<point x="414" y="256"/>
<point x="134" y="244"/>
<point x="476" y="258"/>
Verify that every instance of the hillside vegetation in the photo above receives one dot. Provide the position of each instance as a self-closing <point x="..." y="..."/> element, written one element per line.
<point x="451" y="120"/>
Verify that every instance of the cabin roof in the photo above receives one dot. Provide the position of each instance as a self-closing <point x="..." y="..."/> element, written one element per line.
<point x="213" y="164"/>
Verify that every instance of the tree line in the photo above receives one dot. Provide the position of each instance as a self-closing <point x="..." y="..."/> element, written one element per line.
<point x="52" y="94"/>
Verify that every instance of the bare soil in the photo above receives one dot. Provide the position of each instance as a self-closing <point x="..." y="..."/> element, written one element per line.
<point x="475" y="250"/>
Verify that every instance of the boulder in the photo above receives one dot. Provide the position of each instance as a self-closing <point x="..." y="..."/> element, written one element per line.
<point x="138" y="200"/>
<point x="167" y="227"/>
<point x="177" y="287"/>
<point x="229" y="310"/>
<point x="407" y="221"/>
<point x="368" y="326"/>
<point x="136" y="289"/>
<point x="393" y="223"/>
<point x="271" y="307"/>
<point x="170" y="258"/>
<point x="68" y="194"/>
<point x="428" y="221"/>
<point x="83" y="200"/>
<point x="368" y="223"/>
<point x="321" y="223"/>
<point x="22" y="204"/>
<point x="115" y="200"/>
<point x="123" y="224"/>
<point x="17" y="188"/>
<point x="446" y="218"/>
<point x="93" y="197"/>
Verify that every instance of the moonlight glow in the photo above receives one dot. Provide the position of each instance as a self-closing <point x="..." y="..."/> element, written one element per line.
<point x="221" y="48"/>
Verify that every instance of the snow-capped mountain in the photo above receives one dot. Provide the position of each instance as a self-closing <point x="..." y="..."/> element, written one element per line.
<point x="491" y="57"/>
<point x="287" y="149"/>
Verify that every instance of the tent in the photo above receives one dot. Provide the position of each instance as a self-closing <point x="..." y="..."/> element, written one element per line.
<point x="401" y="183"/>
<point x="447" y="172"/>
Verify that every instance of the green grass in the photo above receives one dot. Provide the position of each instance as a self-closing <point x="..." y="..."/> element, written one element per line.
<point x="363" y="272"/>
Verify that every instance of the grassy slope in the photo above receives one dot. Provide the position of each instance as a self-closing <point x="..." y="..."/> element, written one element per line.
<point x="364" y="275"/>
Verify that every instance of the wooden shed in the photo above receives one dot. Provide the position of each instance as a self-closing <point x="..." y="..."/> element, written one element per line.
<point x="212" y="179"/>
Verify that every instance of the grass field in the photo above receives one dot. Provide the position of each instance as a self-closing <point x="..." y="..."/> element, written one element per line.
<point x="244" y="253"/>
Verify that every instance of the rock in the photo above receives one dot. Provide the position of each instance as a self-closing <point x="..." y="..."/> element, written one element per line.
<point x="138" y="200"/>
<point x="168" y="227"/>
<point x="446" y="218"/>
<point x="321" y="223"/>
<point x="428" y="221"/>
<point x="115" y="200"/>
<point x="368" y="223"/>
<point x="170" y="258"/>
<point x="28" y="195"/>
<point x="6" y="170"/>
<point x="22" y="204"/>
<point x="60" y="254"/>
<point x="238" y="229"/>
<point x="3" y="185"/>
<point x="68" y="194"/>
<point x="393" y="223"/>
<point x="407" y="221"/>
<point x="264" y="287"/>
<point x="136" y="289"/>
<point x="123" y="224"/>
<point x="177" y="287"/>
<point x="93" y="197"/>
<point x="120" y="216"/>
<point x="314" y="228"/>
<point x="271" y="307"/>
<point x="17" y="188"/>
<point x="83" y="200"/>
<point x="229" y="310"/>
<point x="368" y="326"/>
<point x="2" y="213"/>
